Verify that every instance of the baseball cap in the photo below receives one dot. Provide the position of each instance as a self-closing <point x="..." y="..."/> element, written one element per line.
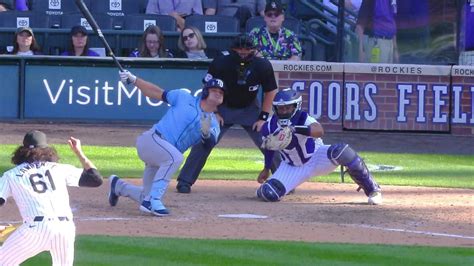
<point x="243" y="41"/>
<point x="35" y="139"/>
<point x="78" y="29"/>
<point x="22" y="29"/>
<point x="274" y="5"/>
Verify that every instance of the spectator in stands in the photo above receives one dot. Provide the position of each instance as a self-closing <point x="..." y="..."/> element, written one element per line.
<point x="466" y="56"/>
<point x="5" y="6"/>
<point x="177" y="9"/>
<point x="79" y="43"/>
<point x="274" y="41"/>
<point x="152" y="44"/>
<point x="24" y="42"/>
<point x="191" y="44"/>
<point x="376" y="29"/>
<point x="242" y="9"/>
<point x="351" y="6"/>
<point x="20" y="5"/>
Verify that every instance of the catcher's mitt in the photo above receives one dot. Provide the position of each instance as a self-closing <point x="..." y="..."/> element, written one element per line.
<point x="279" y="140"/>
<point x="5" y="231"/>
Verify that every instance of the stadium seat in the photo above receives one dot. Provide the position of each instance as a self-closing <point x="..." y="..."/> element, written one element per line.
<point x="55" y="7"/>
<point x="290" y="23"/>
<point x="214" y="24"/>
<point x="115" y="8"/>
<point x="70" y="20"/>
<point x="15" y="19"/>
<point x="142" y="21"/>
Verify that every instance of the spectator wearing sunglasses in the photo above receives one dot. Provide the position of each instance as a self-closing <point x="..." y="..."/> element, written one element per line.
<point x="152" y="44"/>
<point x="191" y="44"/>
<point x="178" y="9"/>
<point x="274" y="41"/>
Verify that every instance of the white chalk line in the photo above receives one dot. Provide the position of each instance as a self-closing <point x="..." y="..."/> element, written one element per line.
<point x="410" y="231"/>
<point x="351" y="225"/>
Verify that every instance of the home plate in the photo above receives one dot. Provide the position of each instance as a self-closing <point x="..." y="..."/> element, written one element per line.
<point x="243" y="216"/>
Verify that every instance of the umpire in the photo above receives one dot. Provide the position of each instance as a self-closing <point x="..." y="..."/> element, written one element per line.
<point x="243" y="74"/>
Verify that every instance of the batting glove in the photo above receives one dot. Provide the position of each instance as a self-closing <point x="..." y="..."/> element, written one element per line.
<point x="127" y="77"/>
<point x="205" y="125"/>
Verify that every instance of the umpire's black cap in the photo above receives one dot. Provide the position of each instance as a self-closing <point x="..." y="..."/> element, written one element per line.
<point x="243" y="41"/>
<point x="35" y="139"/>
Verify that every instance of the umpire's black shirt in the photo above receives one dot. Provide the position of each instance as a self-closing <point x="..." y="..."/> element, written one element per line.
<point x="258" y="72"/>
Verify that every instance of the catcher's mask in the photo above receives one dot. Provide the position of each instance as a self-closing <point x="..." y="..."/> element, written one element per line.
<point x="212" y="84"/>
<point x="286" y="104"/>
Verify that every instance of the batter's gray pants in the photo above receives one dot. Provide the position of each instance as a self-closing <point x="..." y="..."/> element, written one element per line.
<point x="198" y="156"/>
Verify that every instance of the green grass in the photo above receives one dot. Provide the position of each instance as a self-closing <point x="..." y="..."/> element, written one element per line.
<point x="432" y="170"/>
<point x="104" y="250"/>
<point x="244" y="164"/>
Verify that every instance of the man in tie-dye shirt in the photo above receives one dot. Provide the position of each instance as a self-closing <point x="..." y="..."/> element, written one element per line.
<point x="273" y="41"/>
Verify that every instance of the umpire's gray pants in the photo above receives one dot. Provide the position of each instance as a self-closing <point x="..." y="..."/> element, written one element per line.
<point x="245" y="117"/>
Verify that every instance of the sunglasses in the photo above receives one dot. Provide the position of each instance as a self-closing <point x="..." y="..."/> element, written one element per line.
<point x="272" y="14"/>
<point x="189" y="36"/>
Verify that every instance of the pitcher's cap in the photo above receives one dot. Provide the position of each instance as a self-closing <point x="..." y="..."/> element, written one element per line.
<point x="35" y="139"/>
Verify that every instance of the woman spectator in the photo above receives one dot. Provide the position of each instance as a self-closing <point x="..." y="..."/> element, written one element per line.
<point x="152" y="44"/>
<point x="24" y="42"/>
<point x="79" y="43"/>
<point x="191" y="44"/>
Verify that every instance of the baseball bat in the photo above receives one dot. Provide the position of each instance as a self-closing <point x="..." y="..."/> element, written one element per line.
<point x="88" y="16"/>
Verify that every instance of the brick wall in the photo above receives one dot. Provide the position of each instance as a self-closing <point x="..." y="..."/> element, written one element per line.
<point x="413" y="98"/>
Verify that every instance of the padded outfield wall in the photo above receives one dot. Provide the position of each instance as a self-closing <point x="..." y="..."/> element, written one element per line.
<point x="342" y="96"/>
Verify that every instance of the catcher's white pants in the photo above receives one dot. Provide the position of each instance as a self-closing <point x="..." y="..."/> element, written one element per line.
<point x="32" y="238"/>
<point x="161" y="160"/>
<point x="292" y="176"/>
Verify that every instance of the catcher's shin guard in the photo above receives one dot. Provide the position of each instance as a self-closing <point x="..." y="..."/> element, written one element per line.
<point x="272" y="190"/>
<point x="343" y="154"/>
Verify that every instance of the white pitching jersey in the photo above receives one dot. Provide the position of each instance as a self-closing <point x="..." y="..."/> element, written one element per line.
<point x="301" y="148"/>
<point x="40" y="188"/>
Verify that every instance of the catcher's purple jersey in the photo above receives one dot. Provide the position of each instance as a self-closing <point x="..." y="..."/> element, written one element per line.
<point x="301" y="148"/>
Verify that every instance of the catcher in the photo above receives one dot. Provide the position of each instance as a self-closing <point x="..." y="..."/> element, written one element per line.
<point x="296" y="136"/>
<point x="38" y="184"/>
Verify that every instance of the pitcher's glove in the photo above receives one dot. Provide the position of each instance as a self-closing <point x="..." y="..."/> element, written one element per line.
<point x="278" y="140"/>
<point x="5" y="231"/>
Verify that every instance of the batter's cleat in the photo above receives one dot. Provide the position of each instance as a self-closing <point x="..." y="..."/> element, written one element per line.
<point x="183" y="188"/>
<point x="113" y="198"/>
<point x="375" y="198"/>
<point x="160" y="210"/>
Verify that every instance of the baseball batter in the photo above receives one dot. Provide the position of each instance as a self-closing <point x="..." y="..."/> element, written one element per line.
<point x="304" y="155"/>
<point x="38" y="184"/>
<point x="189" y="120"/>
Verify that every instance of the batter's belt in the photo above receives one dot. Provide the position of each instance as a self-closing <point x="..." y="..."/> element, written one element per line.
<point x="42" y="218"/>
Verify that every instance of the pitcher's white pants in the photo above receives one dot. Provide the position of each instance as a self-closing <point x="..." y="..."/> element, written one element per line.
<point x="32" y="238"/>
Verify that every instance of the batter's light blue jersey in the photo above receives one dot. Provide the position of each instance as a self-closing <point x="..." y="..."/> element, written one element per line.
<point x="181" y="125"/>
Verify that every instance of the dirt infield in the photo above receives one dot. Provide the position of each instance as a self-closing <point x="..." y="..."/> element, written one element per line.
<point x="316" y="213"/>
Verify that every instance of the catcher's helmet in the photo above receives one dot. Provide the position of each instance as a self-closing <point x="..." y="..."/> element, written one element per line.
<point x="283" y="98"/>
<point x="210" y="84"/>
